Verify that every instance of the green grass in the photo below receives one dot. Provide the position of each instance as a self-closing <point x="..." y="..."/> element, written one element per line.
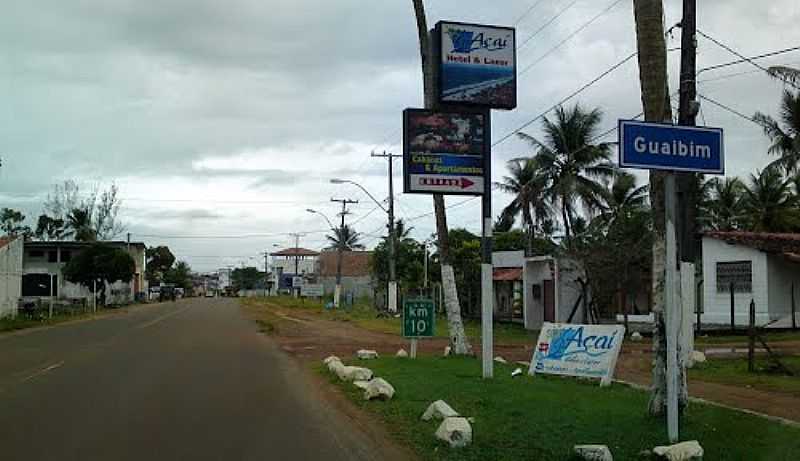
<point x="734" y="371"/>
<point x="542" y="418"/>
<point x="22" y="322"/>
<point x="365" y="316"/>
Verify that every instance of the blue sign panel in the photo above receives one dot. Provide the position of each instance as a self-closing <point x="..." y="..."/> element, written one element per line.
<point x="655" y="146"/>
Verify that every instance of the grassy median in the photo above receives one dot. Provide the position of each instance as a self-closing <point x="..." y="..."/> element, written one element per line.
<point x="543" y="417"/>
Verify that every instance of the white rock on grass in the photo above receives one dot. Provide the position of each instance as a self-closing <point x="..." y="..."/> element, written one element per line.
<point x="354" y="373"/>
<point x="365" y="354"/>
<point x="439" y="410"/>
<point x="335" y="366"/>
<point x="499" y="359"/>
<point x="697" y="357"/>
<point x="330" y="359"/>
<point x="361" y="384"/>
<point x="378" y="388"/>
<point x="456" y="431"/>
<point x="446" y="351"/>
<point x="636" y="336"/>
<point x="684" y="451"/>
<point x="401" y="353"/>
<point x="516" y="372"/>
<point x="593" y="452"/>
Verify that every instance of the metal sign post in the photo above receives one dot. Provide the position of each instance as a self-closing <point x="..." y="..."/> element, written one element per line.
<point x="659" y="146"/>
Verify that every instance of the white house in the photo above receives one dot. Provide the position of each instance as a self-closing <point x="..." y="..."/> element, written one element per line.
<point x="292" y="262"/>
<point x="10" y="275"/>
<point x="759" y="267"/>
<point x="548" y="285"/>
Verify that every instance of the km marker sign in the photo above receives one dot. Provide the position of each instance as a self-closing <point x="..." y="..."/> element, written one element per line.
<point x="656" y="146"/>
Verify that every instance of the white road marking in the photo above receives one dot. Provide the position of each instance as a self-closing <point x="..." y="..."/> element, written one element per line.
<point x="43" y="371"/>
<point x="163" y="317"/>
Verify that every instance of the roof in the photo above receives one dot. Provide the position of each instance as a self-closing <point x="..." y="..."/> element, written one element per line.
<point x="763" y="241"/>
<point x="295" y="252"/>
<point x="354" y="263"/>
<point x="73" y="243"/>
<point x="507" y="274"/>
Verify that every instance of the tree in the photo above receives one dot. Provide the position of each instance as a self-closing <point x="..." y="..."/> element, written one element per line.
<point x="568" y="161"/>
<point x="785" y="132"/>
<point x="527" y="185"/>
<point x="11" y="223"/>
<point x="789" y="75"/>
<point x="652" y="57"/>
<point x="409" y="261"/>
<point x="102" y="264"/>
<point x="458" y="339"/>
<point x="180" y="275"/>
<point x="159" y="261"/>
<point x="721" y="207"/>
<point x="98" y="211"/>
<point x="246" y="278"/>
<point x="79" y="221"/>
<point x="769" y="204"/>
<point x="48" y="228"/>
<point x="345" y="239"/>
<point x="622" y="198"/>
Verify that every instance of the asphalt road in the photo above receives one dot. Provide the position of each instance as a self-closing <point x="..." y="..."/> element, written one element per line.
<point x="191" y="380"/>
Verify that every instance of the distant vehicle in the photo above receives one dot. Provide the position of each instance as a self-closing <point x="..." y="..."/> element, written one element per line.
<point x="210" y="294"/>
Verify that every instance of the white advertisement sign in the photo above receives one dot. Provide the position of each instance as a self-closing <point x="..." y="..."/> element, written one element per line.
<point x="312" y="290"/>
<point x="578" y="350"/>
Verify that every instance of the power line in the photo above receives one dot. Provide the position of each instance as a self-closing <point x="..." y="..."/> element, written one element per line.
<point x="748" y="59"/>
<point x="570" y="36"/>
<point x="221" y="237"/>
<point x="572" y="95"/>
<point x="742" y="57"/>
<point x="527" y="12"/>
<point x="545" y="25"/>
<point x="730" y="109"/>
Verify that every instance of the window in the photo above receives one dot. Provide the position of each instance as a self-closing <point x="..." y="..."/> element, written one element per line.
<point x="52" y="256"/>
<point x="36" y="253"/>
<point x="735" y="274"/>
<point x="39" y="285"/>
<point x="66" y="255"/>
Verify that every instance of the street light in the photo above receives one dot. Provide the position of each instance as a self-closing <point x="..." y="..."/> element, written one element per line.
<point x="390" y="212"/>
<point x="323" y="215"/>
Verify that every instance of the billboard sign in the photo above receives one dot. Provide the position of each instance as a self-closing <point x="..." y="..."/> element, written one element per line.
<point x="477" y="65"/>
<point x="445" y="152"/>
<point x="312" y="290"/>
<point x="578" y="350"/>
<point x="657" y="146"/>
<point x="297" y="281"/>
<point x="419" y="317"/>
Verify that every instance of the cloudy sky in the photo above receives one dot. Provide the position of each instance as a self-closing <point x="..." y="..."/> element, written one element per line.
<point x="228" y="118"/>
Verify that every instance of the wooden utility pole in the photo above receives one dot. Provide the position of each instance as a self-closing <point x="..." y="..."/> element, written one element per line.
<point x="337" y="294"/>
<point x="687" y="115"/>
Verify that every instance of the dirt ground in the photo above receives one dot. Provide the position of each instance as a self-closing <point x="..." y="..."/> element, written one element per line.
<point x="308" y="337"/>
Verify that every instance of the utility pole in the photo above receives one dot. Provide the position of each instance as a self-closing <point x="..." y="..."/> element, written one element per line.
<point x="687" y="115"/>
<point x="337" y="294"/>
<point x="392" y="237"/>
<point x="266" y="272"/>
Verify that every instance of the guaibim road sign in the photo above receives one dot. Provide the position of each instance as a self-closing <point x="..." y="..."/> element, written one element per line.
<point x="657" y="146"/>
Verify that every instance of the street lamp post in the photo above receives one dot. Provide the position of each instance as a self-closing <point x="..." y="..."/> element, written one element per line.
<point x="338" y="290"/>
<point x="390" y="213"/>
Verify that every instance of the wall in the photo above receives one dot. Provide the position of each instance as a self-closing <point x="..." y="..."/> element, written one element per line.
<point x="508" y="258"/>
<point x="717" y="305"/>
<point x="534" y="273"/>
<point x="360" y="286"/>
<point x="307" y="265"/>
<point x="569" y="290"/>
<point x="781" y="273"/>
<point x="10" y="277"/>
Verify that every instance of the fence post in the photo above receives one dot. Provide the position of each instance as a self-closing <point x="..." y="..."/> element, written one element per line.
<point x="794" y="312"/>
<point x="751" y="333"/>
<point x="733" y="318"/>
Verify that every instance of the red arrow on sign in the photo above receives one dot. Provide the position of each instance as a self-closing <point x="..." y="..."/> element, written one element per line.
<point x="466" y="183"/>
<point x="463" y="183"/>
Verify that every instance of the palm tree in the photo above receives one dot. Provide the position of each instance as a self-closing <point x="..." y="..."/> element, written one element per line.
<point x="769" y="204"/>
<point x="528" y="188"/>
<point x="79" y="220"/>
<point x="785" y="132"/>
<point x="787" y="74"/>
<point x="458" y="338"/>
<point x="570" y="163"/>
<point x="622" y="198"/>
<point x="722" y="207"/>
<point x="345" y="239"/>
